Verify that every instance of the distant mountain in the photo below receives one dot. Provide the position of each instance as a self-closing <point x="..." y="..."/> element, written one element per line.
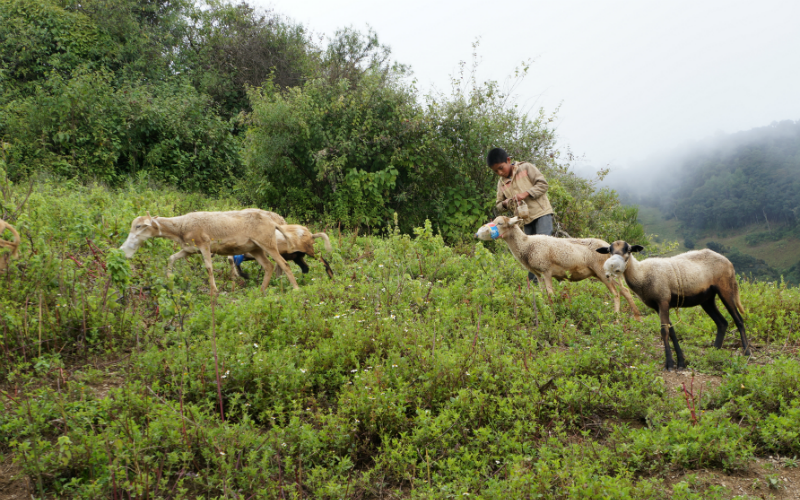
<point x="741" y="188"/>
<point x="748" y="177"/>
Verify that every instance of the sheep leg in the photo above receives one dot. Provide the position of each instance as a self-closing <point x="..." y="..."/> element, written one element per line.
<point x="546" y="281"/>
<point x="611" y="288"/>
<point x="628" y="297"/>
<point x="730" y="305"/>
<point x="268" y="268"/>
<point x="327" y="266"/>
<point x="710" y="307"/>
<point x="663" y="314"/>
<point x="206" y="252"/>
<point x="678" y="351"/>
<point x="276" y="256"/>
<point x="302" y="263"/>
<point x="172" y="258"/>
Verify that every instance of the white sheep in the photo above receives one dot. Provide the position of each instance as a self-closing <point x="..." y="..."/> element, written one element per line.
<point x="572" y="259"/>
<point x="686" y="280"/>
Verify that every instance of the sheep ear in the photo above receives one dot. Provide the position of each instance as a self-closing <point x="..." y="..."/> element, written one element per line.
<point x="603" y="250"/>
<point x="637" y="248"/>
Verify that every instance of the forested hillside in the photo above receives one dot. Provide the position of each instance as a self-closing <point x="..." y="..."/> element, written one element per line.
<point x="749" y="177"/>
<point x="738" y="193"/>
<point x="222" y="98"/>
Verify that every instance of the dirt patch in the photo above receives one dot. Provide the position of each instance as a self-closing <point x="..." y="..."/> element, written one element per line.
<point x="702" y="383"/>
<point x="11" y="488"/>
<point x="765" y="478"/>
<point x="101" y="389"/>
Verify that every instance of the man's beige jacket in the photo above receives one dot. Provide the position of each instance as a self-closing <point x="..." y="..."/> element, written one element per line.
<point x="525" y="177"/>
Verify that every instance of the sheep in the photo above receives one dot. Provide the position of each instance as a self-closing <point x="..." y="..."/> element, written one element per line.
<point x="223" y="233"/>
<point x="547" y="257"/>
<point x="686" y="280"/>
<point x="297" y="243"/>
<point x="13" y="245"/>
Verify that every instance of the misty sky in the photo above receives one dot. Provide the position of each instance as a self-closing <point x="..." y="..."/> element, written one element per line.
<point x="634" y="78"/>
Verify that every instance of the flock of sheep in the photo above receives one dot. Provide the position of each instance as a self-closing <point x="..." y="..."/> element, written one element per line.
<point x="686" y="280"/>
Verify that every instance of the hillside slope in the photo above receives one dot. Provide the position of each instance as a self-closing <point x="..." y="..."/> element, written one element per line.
<point x="420" y="371"/>
<point x="756" y="253"/>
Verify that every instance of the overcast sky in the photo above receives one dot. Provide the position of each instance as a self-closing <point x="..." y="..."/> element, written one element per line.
<point x="634" y="78"/>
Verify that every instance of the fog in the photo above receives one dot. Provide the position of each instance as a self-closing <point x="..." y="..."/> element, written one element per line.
<point x="634" y="80"/>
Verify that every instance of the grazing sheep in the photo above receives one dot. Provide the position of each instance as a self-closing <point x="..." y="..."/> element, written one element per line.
<point x="300" y="242"/>
<point x="686" y="280"/>
<point x="13" y="245"/>
<point x="224" y="233"/>
<point x="277" y="219"/>
<point x="547" y="257"/>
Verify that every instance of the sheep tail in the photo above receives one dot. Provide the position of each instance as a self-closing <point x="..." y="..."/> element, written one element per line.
<point x="280" y="228"/>
<point x="325" y="238"/>
<point x="738" y="301"/>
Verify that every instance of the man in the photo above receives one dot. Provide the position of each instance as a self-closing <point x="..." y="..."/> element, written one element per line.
<point x="522" y="183"/>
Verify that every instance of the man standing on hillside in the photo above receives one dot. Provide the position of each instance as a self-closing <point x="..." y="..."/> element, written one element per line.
<point x="522" y="186"/>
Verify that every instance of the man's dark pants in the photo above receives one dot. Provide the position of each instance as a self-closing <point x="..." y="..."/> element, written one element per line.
<point x="542" y="225"/>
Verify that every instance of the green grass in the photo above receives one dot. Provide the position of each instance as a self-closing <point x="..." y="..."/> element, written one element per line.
<point x="420" y="371"/>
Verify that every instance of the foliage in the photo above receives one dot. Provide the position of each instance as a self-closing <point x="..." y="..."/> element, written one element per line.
<point x="92" y="96"/>
<point x="422" y="370"/>
<point x="358" y="150"/>
<point x="233" y="46"/>
<point x="85" y="127"/>
<point x="105" y="89"/>
<point x="329" y="149"/>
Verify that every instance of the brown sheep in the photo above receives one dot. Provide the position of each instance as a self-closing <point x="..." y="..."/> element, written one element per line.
<point x="224" y="233"/>
<point x="300" y="242"/>
<point x="686" y="280"/>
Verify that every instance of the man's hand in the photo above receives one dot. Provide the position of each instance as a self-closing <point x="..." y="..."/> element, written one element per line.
<point x="521" y="196"/>
<point x="517" y="197"/>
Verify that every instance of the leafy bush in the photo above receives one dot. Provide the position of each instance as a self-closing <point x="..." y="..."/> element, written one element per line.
<point x="84" y="126"/>
<point x="714" y="442"/>
<point x="422" y="369"/>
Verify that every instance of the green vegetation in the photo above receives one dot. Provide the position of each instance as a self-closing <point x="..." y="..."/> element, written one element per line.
<point x="428" y="368"/>
<point x="421" y="371"/>
<point x="223" y="99"/>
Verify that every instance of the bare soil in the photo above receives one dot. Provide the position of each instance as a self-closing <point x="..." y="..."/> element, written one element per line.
<point x="701" y="384"/>
<point x="750" y="483"/>
<point x="11" y="487"/>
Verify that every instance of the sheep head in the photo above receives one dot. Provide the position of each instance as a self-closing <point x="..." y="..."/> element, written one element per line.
<point x="497" y="228"/>
<point x="142" y="229"/>
<point x="615" y="266"/>
<point x="620" y="252"/>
